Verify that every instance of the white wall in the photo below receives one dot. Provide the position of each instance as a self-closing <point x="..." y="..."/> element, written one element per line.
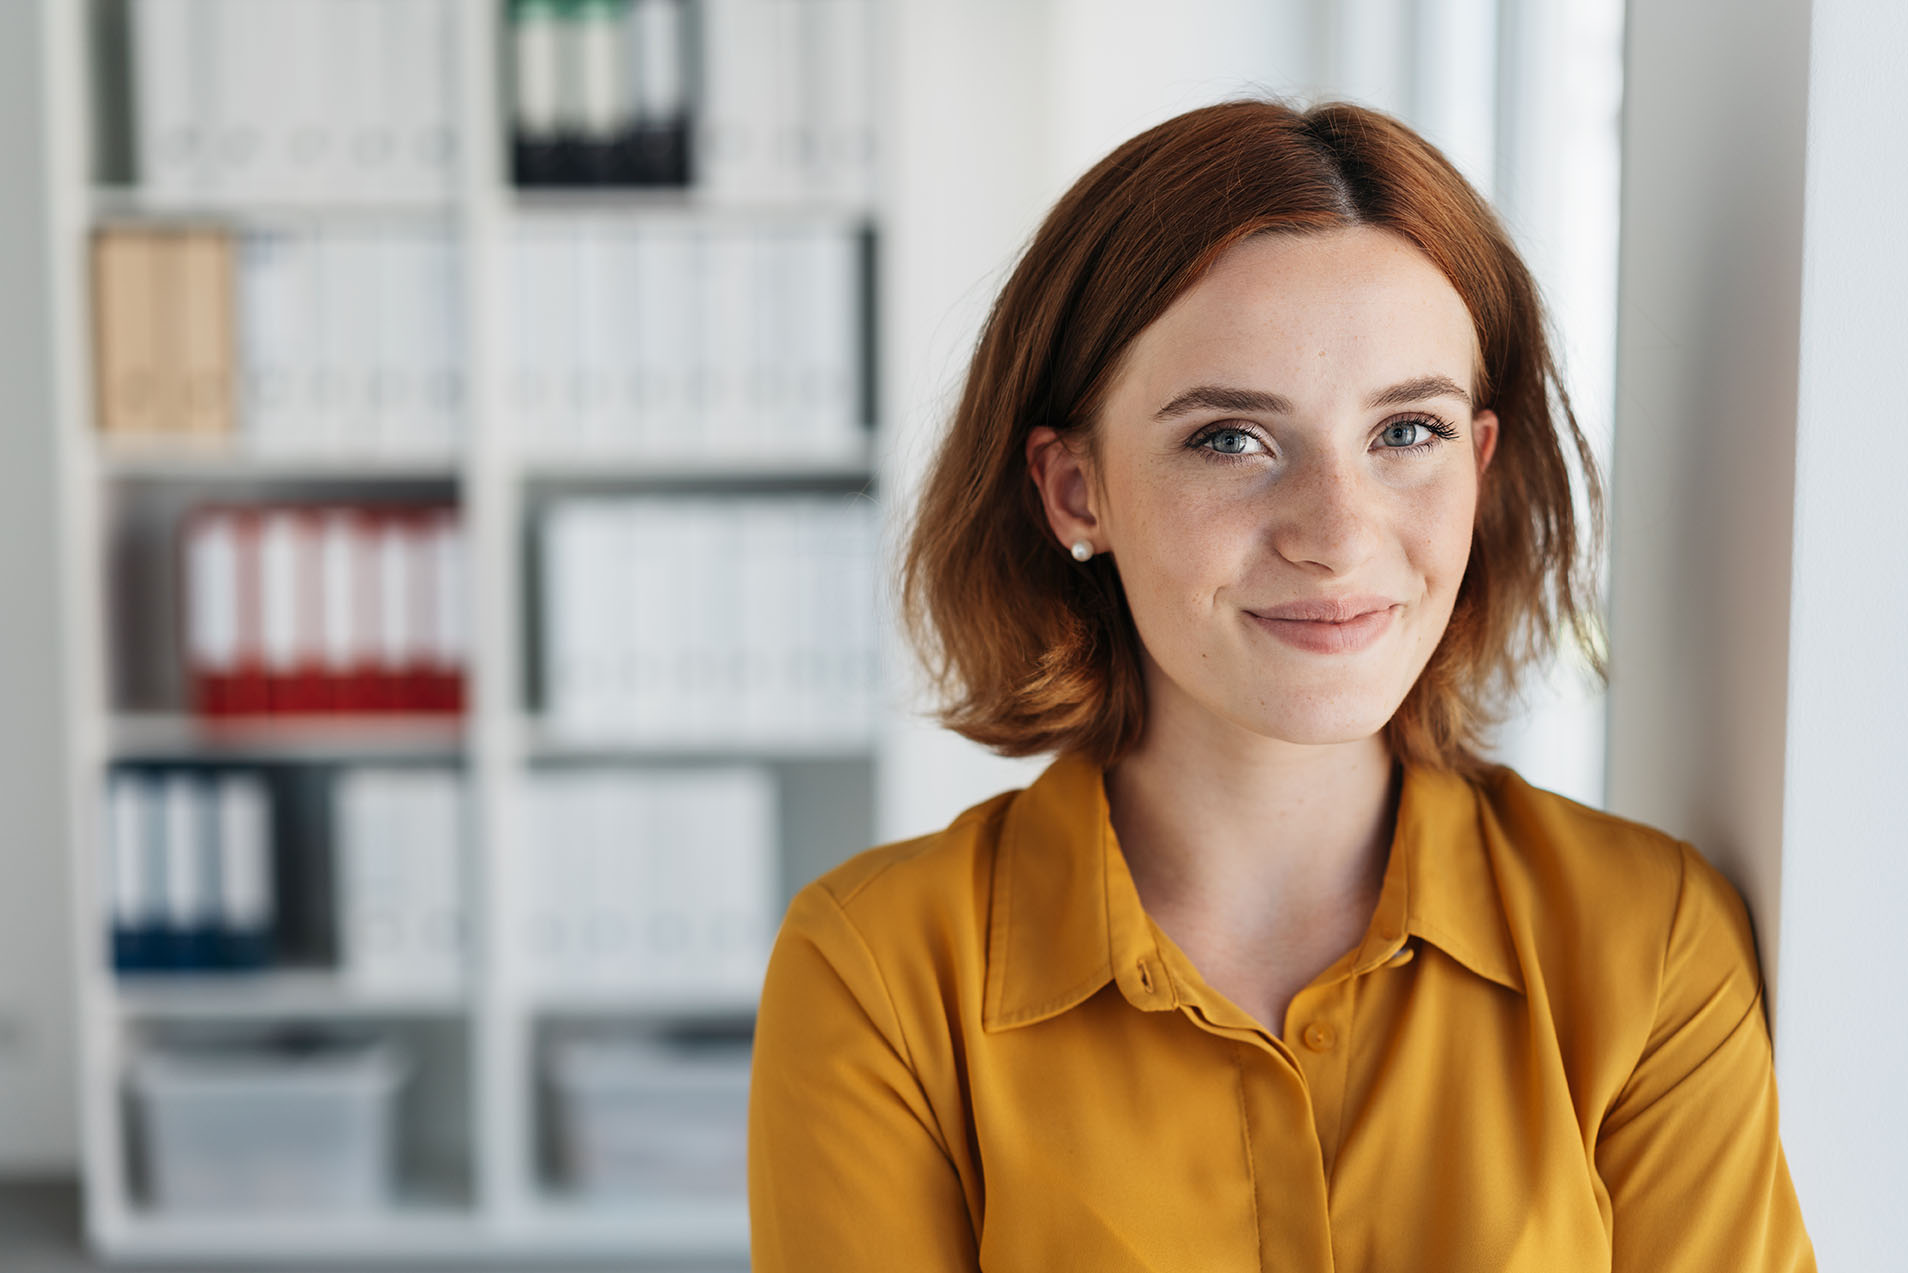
<point x="1758" y="594"/>
<point x="1706" y="399"/>
<point x="1844" y="829"/>
<point x="36" y="987"/>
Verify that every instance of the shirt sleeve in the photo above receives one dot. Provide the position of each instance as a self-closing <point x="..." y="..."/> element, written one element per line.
<point x="847" y="1167"/>
<point x="1690" y="1150"/>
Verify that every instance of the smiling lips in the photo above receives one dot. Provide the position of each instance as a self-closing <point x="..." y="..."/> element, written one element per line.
<point x="1341" y="626"/>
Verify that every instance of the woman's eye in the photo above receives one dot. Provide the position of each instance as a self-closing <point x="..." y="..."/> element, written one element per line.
<point x="1230" y="441"/>
<point x="1418" y="435"/>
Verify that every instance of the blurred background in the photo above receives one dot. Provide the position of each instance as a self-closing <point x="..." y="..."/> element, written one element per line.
<point x="453" y="458"/>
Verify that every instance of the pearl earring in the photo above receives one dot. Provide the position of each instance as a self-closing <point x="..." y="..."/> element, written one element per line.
<point x="1082" y="550"/>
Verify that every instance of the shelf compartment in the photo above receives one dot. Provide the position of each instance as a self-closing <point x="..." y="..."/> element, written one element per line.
<point x="313" y="992"/>
<point x="545" y="742"/>
<point x="423" y="1229"/>
<point x="690" y="203"/>
<point x="180" y="736"/>
<point x="172" y="458"/>
<point x="113" y="202"/>
<point x="849" y="468"/>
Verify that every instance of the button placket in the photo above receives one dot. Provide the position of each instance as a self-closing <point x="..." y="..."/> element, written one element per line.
<point x="1323" y="1055"/>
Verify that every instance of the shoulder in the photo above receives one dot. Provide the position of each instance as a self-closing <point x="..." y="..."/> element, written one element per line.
<point x="1613" y="894"/>
<point x="895" y="895"/>
<point x="1596" y="850"/>
<point x="1569" y="840"/>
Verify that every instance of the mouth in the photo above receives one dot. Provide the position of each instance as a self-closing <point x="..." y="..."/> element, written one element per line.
<point x="1327" y="636"/>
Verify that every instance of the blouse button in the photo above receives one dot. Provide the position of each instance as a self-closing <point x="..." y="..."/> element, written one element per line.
<point x="1146" y="978"/>
<point x="1319" y="1037"/>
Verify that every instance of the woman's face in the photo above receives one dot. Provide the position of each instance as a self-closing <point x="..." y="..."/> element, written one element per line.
<point x="1297" y="428"/>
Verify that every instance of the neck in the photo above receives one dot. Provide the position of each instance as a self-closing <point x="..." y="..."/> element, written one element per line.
<point x="1249" y="835"/>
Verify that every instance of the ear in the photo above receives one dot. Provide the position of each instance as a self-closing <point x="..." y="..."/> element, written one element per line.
<point x="1484" y="433"/>
<point x="1064" y="478"/>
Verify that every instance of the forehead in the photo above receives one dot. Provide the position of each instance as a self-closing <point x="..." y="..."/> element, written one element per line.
<point x="1315" y="317"/>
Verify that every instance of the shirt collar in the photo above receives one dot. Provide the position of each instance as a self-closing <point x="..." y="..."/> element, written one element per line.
<point x="1066" y="916"/>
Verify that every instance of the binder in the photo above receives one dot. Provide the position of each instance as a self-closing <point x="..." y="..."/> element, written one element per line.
<point x="364" y="80"/>
<point x="364" y="689"/>
<point x="437" y="344"/>
<point x="341" y="639"/>
<point x="400" y="906"/>
<point x="419" y="75"/>
<point x="842" y="70"/>
<point x="647" y="576"/>
<point x="769" y="385"/>
<point x="127" y="331"/>
<point x="547" y="297"/>
<point x="396" y="645"/>
<point x="737" y="74"/>
<point x="449" y="602"/>
<point x="311" y="154"/>
<point x="133" y="849"/>
<point x="670" y="261"/>
<point x="784" y="97"/>
<point x="169" y="140"/>
<point x="187" y="932"/>
<point x="598" y="31"/>
<point x="418" y="668"/>
<point x="210" y="567"/>
<point x="830" y="381"/>
<point x="349" y="296"/>
<point x="288" y="627"/>
<point x="659" y="132"/>
<point x="240" y="62"/>
<point x="603" y="281"/>
<point x="536" y="78"/>
<point x="245" y="908"/>
<point x="203" y="323"/>
<point x="277" y="327"/>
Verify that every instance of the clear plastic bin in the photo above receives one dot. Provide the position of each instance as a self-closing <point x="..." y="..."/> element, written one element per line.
<point x="639" y="1116"/>
<point x="260" y="1127"/>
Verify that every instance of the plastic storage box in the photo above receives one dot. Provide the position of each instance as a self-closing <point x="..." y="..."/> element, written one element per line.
<point x="638" y="1116"/>
<point x="269" y="1127"/>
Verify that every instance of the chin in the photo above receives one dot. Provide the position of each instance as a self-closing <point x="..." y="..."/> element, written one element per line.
<point x="1322" y="728"/>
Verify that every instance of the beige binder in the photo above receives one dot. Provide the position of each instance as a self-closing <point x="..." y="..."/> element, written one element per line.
<point x="126" y="323"/>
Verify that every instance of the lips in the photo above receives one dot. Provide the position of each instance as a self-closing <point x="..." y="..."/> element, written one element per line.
<point x="1327" y="609"/>
<point x="1323" y="636"/>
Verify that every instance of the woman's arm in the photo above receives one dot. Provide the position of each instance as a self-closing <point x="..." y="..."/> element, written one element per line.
<point x="1690" y="1150"/>
<point x="848" y="1170"/>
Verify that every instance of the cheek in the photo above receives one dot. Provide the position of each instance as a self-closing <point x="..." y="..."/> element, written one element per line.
<point x="1443" y="519"/>
<point x="1177" y="550"/>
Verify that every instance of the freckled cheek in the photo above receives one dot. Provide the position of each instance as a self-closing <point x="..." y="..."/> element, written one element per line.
<point x="1174" y="559"/>
<point x="1442" y="545"/>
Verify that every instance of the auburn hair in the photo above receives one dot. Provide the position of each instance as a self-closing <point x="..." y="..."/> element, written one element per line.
<point x="1032" y="652"/>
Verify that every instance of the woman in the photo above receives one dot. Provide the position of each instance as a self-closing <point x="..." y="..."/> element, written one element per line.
<point x="1255" y="502"/>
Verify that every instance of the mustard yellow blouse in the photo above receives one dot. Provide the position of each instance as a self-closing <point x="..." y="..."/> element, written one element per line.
<point x="976" y="1050"/>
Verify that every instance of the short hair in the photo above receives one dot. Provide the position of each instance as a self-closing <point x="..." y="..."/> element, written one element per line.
<point x="1031" y="652"/>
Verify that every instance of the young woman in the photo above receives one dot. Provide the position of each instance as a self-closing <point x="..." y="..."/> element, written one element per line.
<point x="1255" y="504"/>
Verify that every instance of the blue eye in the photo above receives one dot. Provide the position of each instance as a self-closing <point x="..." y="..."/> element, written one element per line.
<point x="1227" y="443"/>
<point x="1231" y="441"/>
<point x="1429" y="424"/>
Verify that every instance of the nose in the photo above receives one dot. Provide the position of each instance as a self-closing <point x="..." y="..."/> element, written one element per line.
<point x="1325" y="513"/>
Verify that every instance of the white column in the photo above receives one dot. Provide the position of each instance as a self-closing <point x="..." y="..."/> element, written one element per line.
<point x="1757" y="598"/>
<point x="1844" y="828"/>
<point x="36" y="980"/>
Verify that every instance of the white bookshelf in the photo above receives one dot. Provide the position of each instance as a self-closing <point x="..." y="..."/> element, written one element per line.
<point x="480" y="1194"/>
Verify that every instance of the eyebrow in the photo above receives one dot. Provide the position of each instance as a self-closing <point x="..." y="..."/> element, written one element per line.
<point x="1228" y="398"/>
